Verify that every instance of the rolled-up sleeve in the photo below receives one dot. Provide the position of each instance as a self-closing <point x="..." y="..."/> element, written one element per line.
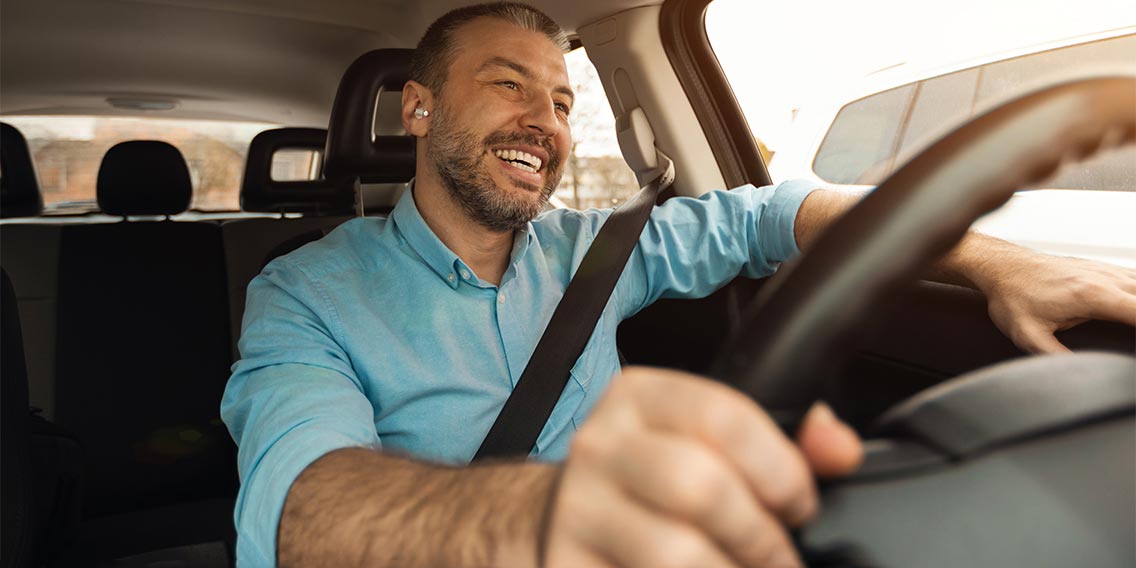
<point x="693" y="246"/>
<point x="292" y="398"/>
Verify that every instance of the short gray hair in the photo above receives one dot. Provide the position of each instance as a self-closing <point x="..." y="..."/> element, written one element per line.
<point x="431" y="60"/>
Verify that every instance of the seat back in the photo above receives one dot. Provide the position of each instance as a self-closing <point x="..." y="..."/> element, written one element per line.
<point x="15" y="458"/>
<point x="142" y="345"/>
<point x="353" y="151"/>
<point x="19" y="188"/>
<point x="29" y="252"/>
<point x="40" y="465"/>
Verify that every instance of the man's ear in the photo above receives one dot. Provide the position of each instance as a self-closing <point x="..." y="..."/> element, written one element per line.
<point x="416" y="96"/>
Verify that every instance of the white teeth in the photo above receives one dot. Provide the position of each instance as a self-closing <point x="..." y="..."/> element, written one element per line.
<point x="516" y="157"/>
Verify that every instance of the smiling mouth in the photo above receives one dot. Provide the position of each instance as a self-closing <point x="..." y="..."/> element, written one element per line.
<point x="521" y="160"/>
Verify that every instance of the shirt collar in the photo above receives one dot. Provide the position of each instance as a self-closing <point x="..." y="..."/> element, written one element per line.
<point x="447" y="265"/>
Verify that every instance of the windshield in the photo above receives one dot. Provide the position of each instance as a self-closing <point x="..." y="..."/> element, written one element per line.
<point x="848" y="92"/>
<point x="844" y="93"/>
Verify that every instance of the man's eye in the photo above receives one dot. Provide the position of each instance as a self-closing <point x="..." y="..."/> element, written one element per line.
<point x="511" y="85"/>
<point x="563" y="108"/>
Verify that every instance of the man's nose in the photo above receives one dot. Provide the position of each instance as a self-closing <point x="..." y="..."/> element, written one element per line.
<point x="540" y="117"/>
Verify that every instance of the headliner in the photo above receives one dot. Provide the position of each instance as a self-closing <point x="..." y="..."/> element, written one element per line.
<point x="264" y="60"/>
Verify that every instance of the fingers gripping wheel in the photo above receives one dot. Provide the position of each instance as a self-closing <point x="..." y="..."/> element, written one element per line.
<point x="811" y="314"/>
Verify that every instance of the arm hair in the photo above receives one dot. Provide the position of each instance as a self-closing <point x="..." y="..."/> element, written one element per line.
<point x="360" y="507"/>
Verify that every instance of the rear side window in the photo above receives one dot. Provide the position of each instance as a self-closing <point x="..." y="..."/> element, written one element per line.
<point x="873" y="136"/>
<point x="67" y="151"/>
<point x="595" y="173"/>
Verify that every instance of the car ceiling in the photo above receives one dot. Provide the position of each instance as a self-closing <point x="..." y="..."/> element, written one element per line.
<point x="275" y="61"/>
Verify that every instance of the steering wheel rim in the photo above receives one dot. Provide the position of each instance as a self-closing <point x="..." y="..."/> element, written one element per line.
<point x="810" y="316"/>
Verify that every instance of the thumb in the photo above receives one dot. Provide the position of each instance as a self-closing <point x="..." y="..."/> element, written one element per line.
<point x="1034" y="338"/>
<point x="830" y="446"/>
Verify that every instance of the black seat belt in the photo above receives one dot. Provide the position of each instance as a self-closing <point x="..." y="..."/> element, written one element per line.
<point x="525" y="412"/>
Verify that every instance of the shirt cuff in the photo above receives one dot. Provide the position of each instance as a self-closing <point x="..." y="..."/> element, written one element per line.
<point x="776" y="230"/>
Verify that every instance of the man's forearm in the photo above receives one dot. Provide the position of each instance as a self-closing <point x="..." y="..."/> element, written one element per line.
<point x="819" y="209"/>
<point x="359" y="507"/>
<point x="968" y="264"/>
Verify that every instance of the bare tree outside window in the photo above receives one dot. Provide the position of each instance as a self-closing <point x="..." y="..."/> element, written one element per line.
<point x="596" y="176"/>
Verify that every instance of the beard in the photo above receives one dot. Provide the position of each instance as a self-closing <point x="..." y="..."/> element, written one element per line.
<point x="457" y="157"/>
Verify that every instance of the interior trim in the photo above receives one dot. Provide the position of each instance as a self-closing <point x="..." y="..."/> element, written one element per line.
<point x="682" y="25"/>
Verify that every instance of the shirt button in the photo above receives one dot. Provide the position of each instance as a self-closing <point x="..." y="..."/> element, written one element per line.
<point x="450" y="277"/>
<point x="465" y="274"/>
<point x="500" y="298"/>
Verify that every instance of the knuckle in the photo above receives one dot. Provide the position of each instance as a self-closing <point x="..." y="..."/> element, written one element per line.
<point x="793" y="495"/>
<point x="1085" y="290"/>
<point x="682" y="549"/>
<point x="592" y="444"/>
<point x="696" y="488"/>
<point x="729" y="416"/>
<point x="630" y="378"/>
<point x="725" y="415"/>
<point x="768" y="543"/>
<point x="575" y="507"/>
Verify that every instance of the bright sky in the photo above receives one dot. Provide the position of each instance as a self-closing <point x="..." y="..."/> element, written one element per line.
<point x="785" y="54"/>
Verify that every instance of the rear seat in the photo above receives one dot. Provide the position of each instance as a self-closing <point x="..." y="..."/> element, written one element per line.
<point x="140" y="320"/>
<point x="29" y="251"/>
<point x="142" y="359"/>
<point x="41" y="463"/>
<point x="19" y="189"/>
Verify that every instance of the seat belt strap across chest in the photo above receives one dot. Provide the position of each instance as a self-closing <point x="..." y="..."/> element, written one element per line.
<point x="525" y="413"/>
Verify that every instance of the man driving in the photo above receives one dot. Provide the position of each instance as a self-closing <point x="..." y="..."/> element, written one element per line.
<point x="374" y="361"/>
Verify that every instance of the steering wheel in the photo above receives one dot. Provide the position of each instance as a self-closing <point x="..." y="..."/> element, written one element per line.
<point x="808" y="317"/>
<point x="1051" y="438"/>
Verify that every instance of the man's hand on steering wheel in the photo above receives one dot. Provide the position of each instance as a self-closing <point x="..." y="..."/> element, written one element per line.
<point x="675" y="470"/>
<point x="1033" y="295"/>
<point x="1030" y="295"/>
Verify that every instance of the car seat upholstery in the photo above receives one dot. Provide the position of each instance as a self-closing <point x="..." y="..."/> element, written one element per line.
<point x="41" y="465"/>
<point x="19" y="189"/>
<point x="143" y="177"/>
<point x="142" y="359"/>
<point x="29" y="252"/>
<point x="16" y="471"/>
<point x="260" y="192"/>
<point x="354" y="152"/>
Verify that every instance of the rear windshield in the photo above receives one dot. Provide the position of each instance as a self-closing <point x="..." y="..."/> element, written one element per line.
<point x="67" y="151"/>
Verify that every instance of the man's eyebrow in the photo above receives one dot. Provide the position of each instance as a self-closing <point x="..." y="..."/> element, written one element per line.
<point x="499" y="61"/>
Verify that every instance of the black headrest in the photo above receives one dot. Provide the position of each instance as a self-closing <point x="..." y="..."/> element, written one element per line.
<point x="19" y="190"/>
<point x="352" y="149"/>
<point x="259" y="192"/>
<point x="143" y="177"/>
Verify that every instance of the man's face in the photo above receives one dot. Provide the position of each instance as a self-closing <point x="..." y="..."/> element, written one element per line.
<point x="499" y="131"/>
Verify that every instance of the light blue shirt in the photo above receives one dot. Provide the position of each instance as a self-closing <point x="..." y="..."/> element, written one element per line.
<point x="378" y="335"/>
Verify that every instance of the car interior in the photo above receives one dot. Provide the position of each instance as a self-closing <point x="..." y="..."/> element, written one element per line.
<point x="120" y="324"/>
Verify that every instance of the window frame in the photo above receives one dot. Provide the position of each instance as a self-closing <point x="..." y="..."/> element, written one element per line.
<point x="682" y="26"/>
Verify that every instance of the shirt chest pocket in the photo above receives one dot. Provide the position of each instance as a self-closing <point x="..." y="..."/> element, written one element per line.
<point x="594" y="369"/>
<point x="579" y="395"/>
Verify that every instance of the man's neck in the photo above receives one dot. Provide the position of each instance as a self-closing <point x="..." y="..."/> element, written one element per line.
<point x="486" y="252"/>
